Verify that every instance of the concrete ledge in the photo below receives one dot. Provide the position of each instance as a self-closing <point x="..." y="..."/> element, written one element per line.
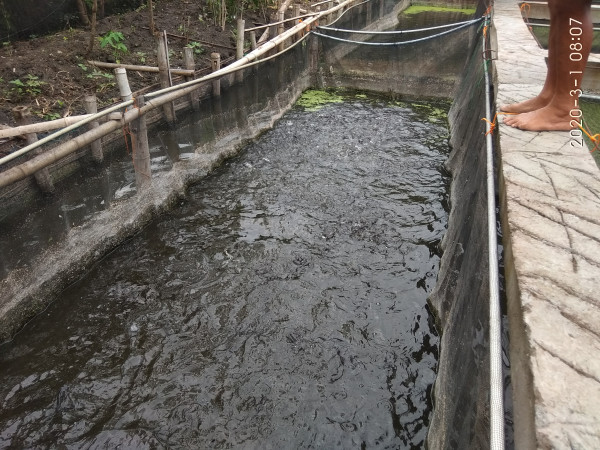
<point x="550" y="199"/>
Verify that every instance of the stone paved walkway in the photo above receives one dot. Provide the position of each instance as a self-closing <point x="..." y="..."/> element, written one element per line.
<point x="550" y="198"/>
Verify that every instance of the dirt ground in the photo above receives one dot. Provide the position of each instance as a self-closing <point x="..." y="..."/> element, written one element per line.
<point x="52" y="74"/>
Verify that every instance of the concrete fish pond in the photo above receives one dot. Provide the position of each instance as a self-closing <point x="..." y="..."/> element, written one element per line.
<point x="281" y="304"/>
<point x="293" y="275"/>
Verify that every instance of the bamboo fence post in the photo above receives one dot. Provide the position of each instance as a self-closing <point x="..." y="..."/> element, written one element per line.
<point x="369" y="13"/>
<point x="188" y="59"/>
<point x="215" y="59"/>
<point x="91" y="107"/>
<point x="141" y="151"/>
<point x="123" y="84"/>
<point x="296" y="12"/>
<point x="239" y="47"/>
<point x="164" y="75"/>
<point x="253" y="40"/>
<point x="22" y="115"/>
<point x="280" y="29"/>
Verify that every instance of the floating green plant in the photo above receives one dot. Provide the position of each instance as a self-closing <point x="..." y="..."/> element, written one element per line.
<point x="432" y="112"/>
<point x="313" y="99"/>
<point x="416" y="9"/>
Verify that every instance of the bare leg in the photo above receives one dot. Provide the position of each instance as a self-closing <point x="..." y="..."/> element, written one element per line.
<point x="555" y="114"/>
<point x="544" y="97"/>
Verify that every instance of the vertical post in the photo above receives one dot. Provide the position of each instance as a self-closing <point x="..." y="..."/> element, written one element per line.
<point x="22" y="115"/>
<point x="91" y="107"/>
<point x="296" y="12"/>
<point x="369" y="12"/>
<point x="241" y="25"/>
<point x="164" y="74"/>
<point x="280" y="29"/>
<point x="313" y="53"/>
<point x="215" y="59"/>
<point x="123" y="84"/>
<point x="141" y="150"/>
<point x="188" y="59"/>
<point x="253" y="40"/>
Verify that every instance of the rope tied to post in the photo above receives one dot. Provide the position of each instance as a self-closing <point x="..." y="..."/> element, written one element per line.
<point x="594" y="138"/>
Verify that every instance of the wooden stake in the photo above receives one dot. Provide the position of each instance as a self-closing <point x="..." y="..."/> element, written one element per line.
<point x="22" y="115"/>
<point x="188" y="59"/>
<point x="165" y="79"/>
<point x="141" y="150"/>
<point x="253" y="40"/>
<point x="215" y="59"/>
<point x="239" y="52"/>
<point x="91" y="107"/>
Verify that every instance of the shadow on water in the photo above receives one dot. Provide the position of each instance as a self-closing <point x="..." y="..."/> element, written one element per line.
<point x="282" y="304"/>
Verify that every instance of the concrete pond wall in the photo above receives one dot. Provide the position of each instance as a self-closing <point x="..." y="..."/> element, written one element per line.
<point x="460" y="300"/>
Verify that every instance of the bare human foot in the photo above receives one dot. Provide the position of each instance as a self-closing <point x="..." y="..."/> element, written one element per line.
<point x="547" y="118"/>
<point x="527" y="106"/>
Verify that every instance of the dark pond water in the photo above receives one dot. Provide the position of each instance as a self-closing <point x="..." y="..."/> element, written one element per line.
<point x="281" y="305"/>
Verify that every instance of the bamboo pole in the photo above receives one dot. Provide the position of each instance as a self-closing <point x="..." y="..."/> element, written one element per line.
<point x="263" y="37"/>
<point x="253" y="40"/>
<point x="294" y="19"/>
<point x="91" y="106"/>
<point x="239" y="52"/>
<point x="105" y="65"/>
<point x="141" y="149"/>
<point x="123" y="84"/>
<point x="280" y="30"/>
<point x="188" y="59"/>
<point x="215" y="60"/>
<point x="40" y="127"/>
<point x="296" y="13"/>
<point x="165" y="79"/>
<point x="22" y="116"/>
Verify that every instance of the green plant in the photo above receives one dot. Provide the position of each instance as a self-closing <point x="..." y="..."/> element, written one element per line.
<point x="32" y="86"/>
<point x="51" y="116"/>
<point x="197" y="47"/>
<point x="141" y="56"/>
<point x="114" y="40"/>
<point x="104" y="80"/>
<point x="82" y="67"/>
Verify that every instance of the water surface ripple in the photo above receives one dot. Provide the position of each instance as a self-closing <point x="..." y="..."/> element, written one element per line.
<point x="282" y="305"/>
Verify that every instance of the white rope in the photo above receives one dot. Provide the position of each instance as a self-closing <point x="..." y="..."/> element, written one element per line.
<point x="418" y="30"/>
<point x="496" y="381"/>
<point x="388" y="44"/>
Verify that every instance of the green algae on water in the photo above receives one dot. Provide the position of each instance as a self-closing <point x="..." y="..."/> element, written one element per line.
<point x="314" y="99"/>
<point x="434" y="113"/>
<point x="416" y="9"/>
